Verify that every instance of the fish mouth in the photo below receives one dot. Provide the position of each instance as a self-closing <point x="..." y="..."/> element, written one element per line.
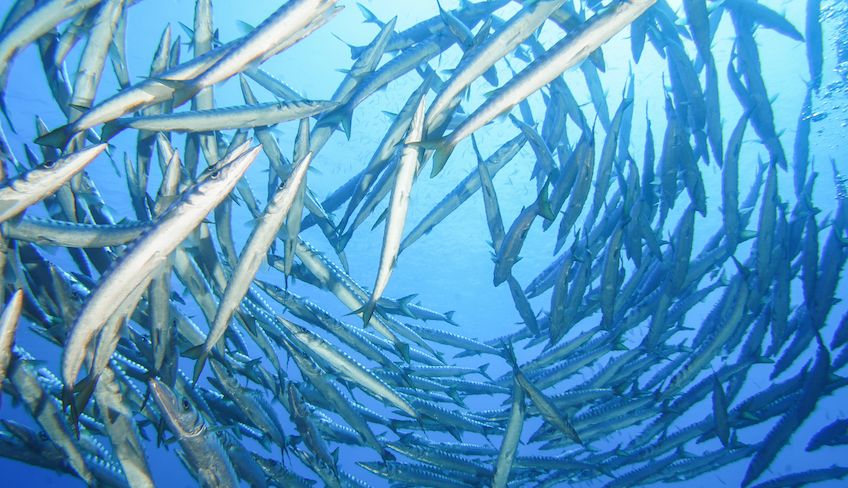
<point x="161" y="392"/>
<point x="169" y="404"/>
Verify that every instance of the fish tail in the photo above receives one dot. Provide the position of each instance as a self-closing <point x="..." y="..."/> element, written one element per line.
<point x="340" y="115"/>
<point x="367" y="311"/>
<point x="110" y="130"/>
<point x="68" y="401"/>
<point x="440" y="157"/>
<point x="183" y="89"/>
<point x="343" y="240"/>
<point x="509" y="354"/>
<point x="559" y="242"/>
<point x="449" y="318"/>
<point x="84" y="389"/>
<point x="543" y="203"/>
<point x="369" y="16"/>
<point x="198" y="368"/>
<point x="404" y="302"/>
<point x="200" y="354"/>
<point x="483" y="372"/>
<point x="403" y="349"/>
<point x="6" y="112"/>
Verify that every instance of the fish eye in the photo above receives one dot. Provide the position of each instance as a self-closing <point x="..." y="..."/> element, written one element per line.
<point x="215" y="174"/>
<point x="186" y="405"/>
<point x="42" y="436"/>
<point x="49" y="164"/>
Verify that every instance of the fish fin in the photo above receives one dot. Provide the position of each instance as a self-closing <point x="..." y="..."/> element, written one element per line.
<point x="110" y="129"/>
<point x="172" y="84"/>
<point x="491" y="76"/>
<point x="160" y="432"/>
<point x="343" y="260"/>
<point x="6" y="112"/>
<point x="340" y="115"/>
<point x="183" y="90"/>
<point x="509" y="354"/>
<point x="198" y="368"/>
<point x="194" y="352"/>
<point x="57" y="137"/>
<point x="404" y="302"/>
<point x="369" y="16"/>
<point x="449" y="317"/>
<point x="443" y="151"/>
<point x="403" y="349"/>
<point x="454" y="395"/>
<point x="381" y="218"/>
<point x="543" y="203"/>
<point x="201" y="354"/>
<point x="483" y="372"/>
<point x="367" y="311"/>
<point x="85" y="389"/>
<point x="243" y="26"/>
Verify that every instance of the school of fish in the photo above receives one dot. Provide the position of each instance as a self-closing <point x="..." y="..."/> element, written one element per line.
<point x="171" y="333"/>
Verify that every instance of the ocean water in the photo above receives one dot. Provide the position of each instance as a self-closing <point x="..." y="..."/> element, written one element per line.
<point x="450" y="268"/>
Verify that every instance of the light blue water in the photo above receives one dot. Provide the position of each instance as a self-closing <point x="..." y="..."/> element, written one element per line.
<point x="450" y="268"/>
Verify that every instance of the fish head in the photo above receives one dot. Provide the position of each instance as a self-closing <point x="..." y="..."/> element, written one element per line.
<point x="179" y="413"/>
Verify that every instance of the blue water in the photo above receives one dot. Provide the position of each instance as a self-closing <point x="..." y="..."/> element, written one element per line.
<point x="450" y="268"/>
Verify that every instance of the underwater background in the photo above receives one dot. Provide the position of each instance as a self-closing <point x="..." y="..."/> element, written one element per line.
<point x="450" y="268"/>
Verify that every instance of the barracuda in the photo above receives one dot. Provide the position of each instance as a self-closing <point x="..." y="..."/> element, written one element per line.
<point x="346" y="366"/>
<point x="386" y="150"/>
<point x="494" y="48"/>
<point x="46" y="412"/>
<point x="404" y="179"/>
<point x="251" y="258"/>
<point x="32" y="25"/>
<point x="280" y="30"/>
<point x="509" y="446"/>
<point x="137" y="266"/>
<point x="546" y="408"/>
<point x="336" y="400"/>
<point x="464" y="190"/>
<point x="348" y="292"/>
<point x="201" y="448"/>
<point x="122" y="430"/>
<point x="248" y="116"/>
<point x="616" y="346"/>
<point x="565" y="54"/>
<point x="93" y="57"/>
<point x="28" y="188"/>
<point x="8" y="327"/>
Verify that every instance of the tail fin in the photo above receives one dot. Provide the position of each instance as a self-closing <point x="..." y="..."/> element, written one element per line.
<point x="6" y="112"/>
<point x="440" y="157"/>
<point x="201" y="354"/>
<point x="184" y="90"/>
<point x="340" y="115"/>
<point x="110" y="130"/>
<point x="449" y="318"/>
<point x="367" y="311"/>
<point x="57" y="137"/>
<point x="403" y="349"/>
<point x="509" y="354"/>
<point x="369" y="16"/>
<point x="543" y="203"/>
<point x="483" y="372"/>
